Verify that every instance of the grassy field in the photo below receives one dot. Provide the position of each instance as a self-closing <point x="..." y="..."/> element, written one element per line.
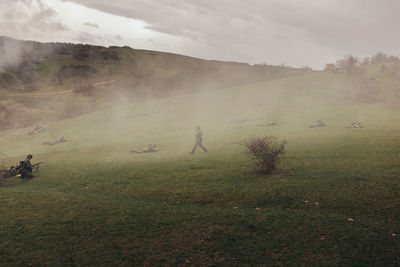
<point x="335" y="200"/>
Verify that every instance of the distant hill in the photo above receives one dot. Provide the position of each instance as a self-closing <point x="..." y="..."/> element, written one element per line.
<point x="45" y="82"/>
<point x="51" y="81"/>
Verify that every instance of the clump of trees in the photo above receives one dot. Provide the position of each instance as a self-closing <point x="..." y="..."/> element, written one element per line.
<point x="265" y="152"/>
<point x="8" y="80"/>
<point x="352" y="65"/>
<point x="110" y="54"/>
<point x="74" y="71"/>
<point x="363" y="88"/>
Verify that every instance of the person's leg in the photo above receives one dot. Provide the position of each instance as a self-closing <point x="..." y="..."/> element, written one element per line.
<point x="201" y="145"/>
<point x="26" y="174"/>
<point x="194" y="148"/>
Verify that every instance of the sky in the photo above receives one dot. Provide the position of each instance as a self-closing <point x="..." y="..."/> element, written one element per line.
<point x="292" y="32"/>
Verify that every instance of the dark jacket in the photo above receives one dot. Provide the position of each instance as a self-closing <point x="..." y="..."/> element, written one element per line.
<point x="25" y="168"/>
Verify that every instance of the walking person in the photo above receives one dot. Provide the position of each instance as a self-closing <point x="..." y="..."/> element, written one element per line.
<point x="199" y="140"/>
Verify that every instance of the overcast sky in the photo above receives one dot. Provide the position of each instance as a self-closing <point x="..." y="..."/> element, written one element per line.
<point x="293" y="32"/>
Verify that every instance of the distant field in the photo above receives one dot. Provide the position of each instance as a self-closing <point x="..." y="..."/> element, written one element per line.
<point x="94" y="203"/>
<point x="87" y="78"/>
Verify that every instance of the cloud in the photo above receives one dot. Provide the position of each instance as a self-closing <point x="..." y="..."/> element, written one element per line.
<point x="25" y="19"/>
<point x="29" y="19"/>
<point x="88" y="38"/>
<point x="297" y="32"/>
<point x="93" y="25"/>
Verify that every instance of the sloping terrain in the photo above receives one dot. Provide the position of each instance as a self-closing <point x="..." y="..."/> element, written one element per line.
<point x="42" y="82"/>
<point x="334" y="202"/>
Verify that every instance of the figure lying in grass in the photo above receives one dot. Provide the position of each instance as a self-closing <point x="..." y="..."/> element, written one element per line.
<point x="272" y="123"/>
<point x="52" y="143"/>
<point x="239" y="121"/>
<point x="355" y="124"/>
<point x="37" y="130"/>
<point x="318" y="124"/>
<point x="8" y="173"/>
<point x="150" y="148"/>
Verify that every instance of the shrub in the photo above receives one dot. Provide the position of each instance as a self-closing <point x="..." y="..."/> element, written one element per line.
<point x="265" y="152"/>
<point x="107" y="54"/>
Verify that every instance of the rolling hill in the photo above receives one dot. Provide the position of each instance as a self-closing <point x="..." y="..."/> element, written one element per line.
<point x="334" y="200"/>
<point x="42" y="82"/>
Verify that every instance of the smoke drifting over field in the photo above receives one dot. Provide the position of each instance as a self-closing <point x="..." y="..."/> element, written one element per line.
<point x="10" y="54"/>
<point x="57" y="81"/>
<point x="146" y="95"/>
<point x="116" y="128"/>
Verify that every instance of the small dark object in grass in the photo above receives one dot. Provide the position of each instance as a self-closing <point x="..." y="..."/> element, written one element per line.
<point x="265" y="151"/>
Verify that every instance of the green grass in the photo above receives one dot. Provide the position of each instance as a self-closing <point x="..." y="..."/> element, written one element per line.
<point x="94" y="203"/>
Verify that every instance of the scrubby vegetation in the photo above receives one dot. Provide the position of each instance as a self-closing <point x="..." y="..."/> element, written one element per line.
<point x="94" y="203"/>
<point x="137" y="75"/>
<point x="265" y="152"/>
<point x="364" y="87"/>
<point x="31" y="67"/>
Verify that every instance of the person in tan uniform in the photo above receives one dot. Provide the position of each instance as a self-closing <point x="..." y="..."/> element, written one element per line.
<point x="199" y="140"/>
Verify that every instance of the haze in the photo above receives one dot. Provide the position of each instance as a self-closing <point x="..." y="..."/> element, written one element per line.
<point x="295" y="33"/>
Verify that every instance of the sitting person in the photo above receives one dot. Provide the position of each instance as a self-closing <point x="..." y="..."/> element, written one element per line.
<point x="149" y="148"/>
<point x="25" y="167"/>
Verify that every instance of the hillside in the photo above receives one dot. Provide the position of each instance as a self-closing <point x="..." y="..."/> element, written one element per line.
<point x="42" y="82"/>
<point x="333" y="202"/>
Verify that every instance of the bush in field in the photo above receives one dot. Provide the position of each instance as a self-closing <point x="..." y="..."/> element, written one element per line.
<point x="265" y="152"/>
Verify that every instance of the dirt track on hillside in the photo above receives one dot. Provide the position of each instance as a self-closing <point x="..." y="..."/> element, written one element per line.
<point x="61" y="92"/>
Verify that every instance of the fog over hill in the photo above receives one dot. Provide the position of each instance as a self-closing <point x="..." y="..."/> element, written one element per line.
<point x="202" y="133"/>
<point x="44" y="82"/>
<point x="59" y="80"/>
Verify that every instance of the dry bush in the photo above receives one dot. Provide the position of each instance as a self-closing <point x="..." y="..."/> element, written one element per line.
<point x="265" y="152"/>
